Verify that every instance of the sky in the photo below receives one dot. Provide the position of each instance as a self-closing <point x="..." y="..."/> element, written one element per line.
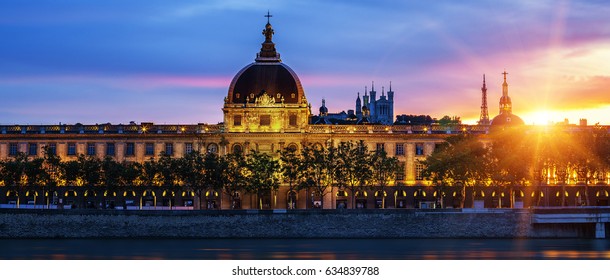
<point x="171" y="62"/>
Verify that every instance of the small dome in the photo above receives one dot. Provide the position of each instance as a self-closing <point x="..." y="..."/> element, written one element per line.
<point x="507" y="119"/>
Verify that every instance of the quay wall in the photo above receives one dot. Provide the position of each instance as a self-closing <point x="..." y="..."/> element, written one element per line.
<point x="372" y="223"/>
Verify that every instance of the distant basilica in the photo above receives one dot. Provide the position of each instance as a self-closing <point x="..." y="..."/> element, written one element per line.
<point x="370" y="110"/>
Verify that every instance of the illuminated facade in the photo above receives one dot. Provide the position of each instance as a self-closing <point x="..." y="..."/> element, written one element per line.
<point x="265" y="110"/>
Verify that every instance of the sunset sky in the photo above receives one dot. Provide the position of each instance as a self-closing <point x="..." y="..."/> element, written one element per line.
<point x="172" y="61"/>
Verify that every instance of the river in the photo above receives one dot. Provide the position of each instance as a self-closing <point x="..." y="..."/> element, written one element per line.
<point x="303" y="249"/>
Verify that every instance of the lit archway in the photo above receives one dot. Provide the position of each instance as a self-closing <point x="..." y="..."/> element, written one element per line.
<point x="31" y="196"/>
<point x="90" y="198"/>
<point x="109" y="199"/>
<point x="149" y="199"/>
<point x="129" y="199"/>
<point x="212" y="199"/>
<point x="12" y="197"/>
<point x="188" y="198"/>
<point x="361" y="199"/>
<point x="400" y="199"/>
<point x="70" y="197"/>
<point x="341" y="201"/>
<point x="380" y="199"/>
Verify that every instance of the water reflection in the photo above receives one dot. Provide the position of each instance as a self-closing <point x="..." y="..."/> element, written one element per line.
<point x="303" y="249"/>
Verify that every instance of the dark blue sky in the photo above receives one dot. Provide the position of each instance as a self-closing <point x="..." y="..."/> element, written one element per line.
<point x="172" y="61"/>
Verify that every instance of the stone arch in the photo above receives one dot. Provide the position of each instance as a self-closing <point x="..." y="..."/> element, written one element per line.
<point x="291" y="199"/>
<point x="361" y="199"/>
<point x="237" y="148"/>
<point x="212" y="148"/>
<point x="212" y="199"/>
<point x="380" y="198"/>
<point x="293" y="146"/>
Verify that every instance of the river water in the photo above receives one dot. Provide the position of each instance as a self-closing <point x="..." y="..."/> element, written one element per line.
<point x="303" y="249"/>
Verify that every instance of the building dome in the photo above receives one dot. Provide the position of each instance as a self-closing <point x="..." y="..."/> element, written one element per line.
<point x="266" y="76"/>
<point x="272" y="78"/>
<point x="266" y="96"/>
<point x="507" y="119"/>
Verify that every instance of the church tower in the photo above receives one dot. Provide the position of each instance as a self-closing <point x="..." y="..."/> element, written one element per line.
<point x="506" y="105"/>
<point x="372" y="103"/>
<point x="506" y="117"/>
<point x="391" y="103"/>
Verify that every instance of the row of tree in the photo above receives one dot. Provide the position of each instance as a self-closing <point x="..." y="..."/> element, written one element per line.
<point x="315" y="168"/>
<point x="516" y="158"/>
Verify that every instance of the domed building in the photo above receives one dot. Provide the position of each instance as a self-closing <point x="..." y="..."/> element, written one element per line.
<point x="506" y="116"/>
<point x="266" y="96"/>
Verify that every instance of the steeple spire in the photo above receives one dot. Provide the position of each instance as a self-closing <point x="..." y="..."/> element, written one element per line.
<point x="505" y="85"/>
<point x="506" y="105"/>
<point x="268" y="52"/>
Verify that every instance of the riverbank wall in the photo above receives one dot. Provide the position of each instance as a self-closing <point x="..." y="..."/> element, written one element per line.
<point x="344" y="223"/>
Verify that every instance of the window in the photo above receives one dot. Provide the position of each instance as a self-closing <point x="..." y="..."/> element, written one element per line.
<point x="52" y="149"/>
<point x="169" y="149"/>
<point x="150" y="149"/>
<point x="213" y="148"/>
<point x="292" y="120"/>
<point x="237" y="120"/>
<point x="12" y="149"/>
<point x="237" y="149"/>
<point x="90" y="149"/>
<point x="400" y="149"/>
<point x="380" y="147"/>
<point x="188" y="148"/>
<point x="400" y="175"/>
<point x="265" y="120"/>
<point x="33" y="149"/>
<point x="71" y="149"/>
<point x="110" y="149"/>
<point x="130" y="149"/>
<point x="419" y="168"/>
<point x="419" y="149"/>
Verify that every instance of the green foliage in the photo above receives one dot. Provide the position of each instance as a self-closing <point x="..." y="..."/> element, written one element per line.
<point x="462" y="160"/>
<point x="262" y="174"/>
